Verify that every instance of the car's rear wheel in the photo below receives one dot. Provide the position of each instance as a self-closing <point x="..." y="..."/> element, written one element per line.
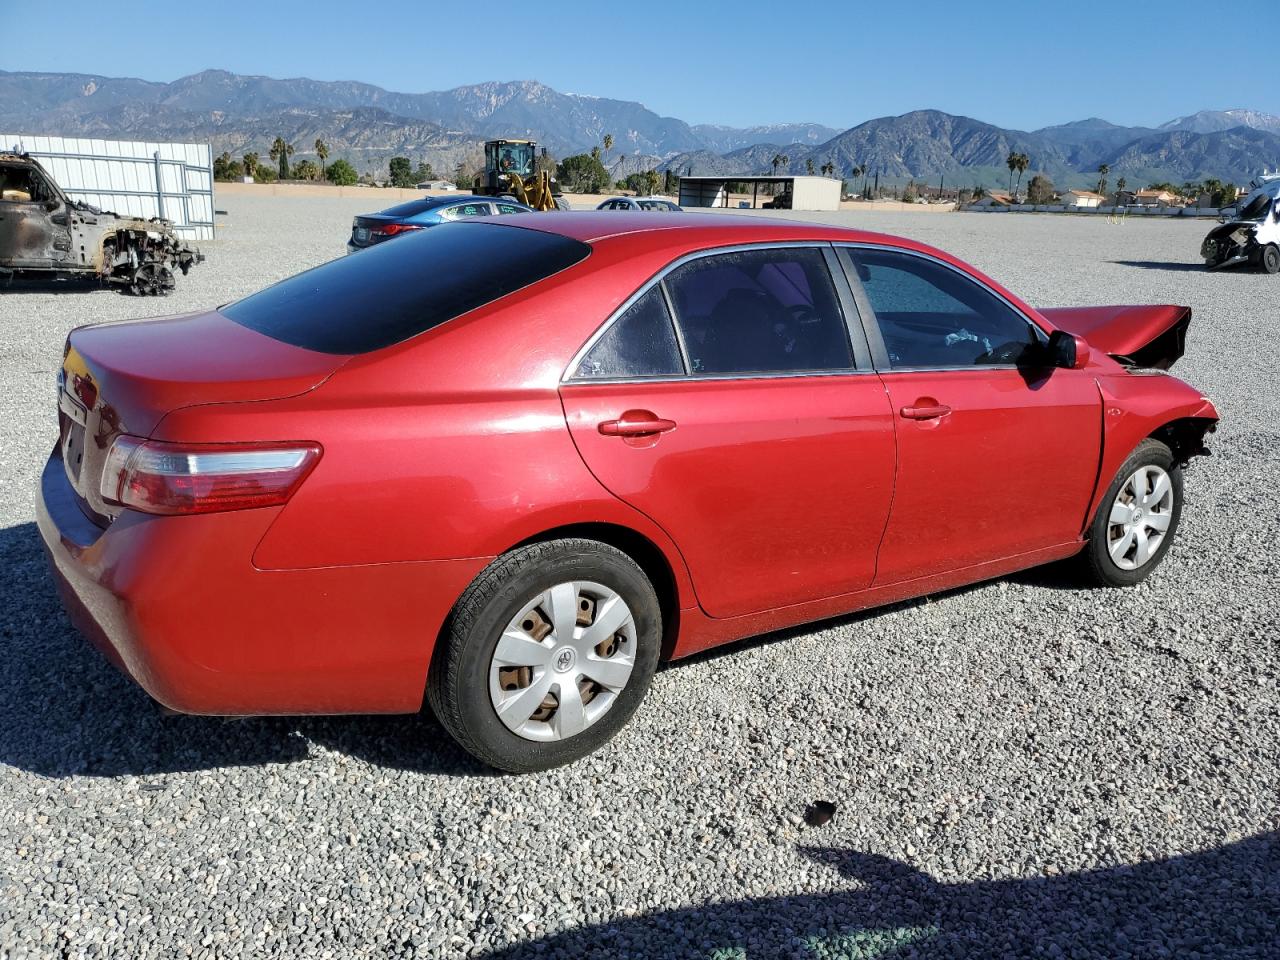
<point x="547" y="654"/>
<point x="1269" y="261"/>
<point x="1138" y="518"/>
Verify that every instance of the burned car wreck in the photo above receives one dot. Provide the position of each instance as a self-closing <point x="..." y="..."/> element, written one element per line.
<point x="1253" y="236"/>
<point x="44" y="234"/>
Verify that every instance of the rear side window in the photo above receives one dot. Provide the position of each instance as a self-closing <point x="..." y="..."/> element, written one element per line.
<point x="396" y="290"/>
<point x="760" y="311"/>
<point x="640" y="343"/>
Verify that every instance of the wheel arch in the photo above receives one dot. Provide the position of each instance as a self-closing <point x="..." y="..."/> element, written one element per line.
<point x="648" y="556"/>
<point x="1185" y="437"/>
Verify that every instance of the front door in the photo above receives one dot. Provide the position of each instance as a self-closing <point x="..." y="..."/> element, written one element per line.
<point x="997" y="451"/>
<point x="744" y="428"/>
<point x="34" y="229"/>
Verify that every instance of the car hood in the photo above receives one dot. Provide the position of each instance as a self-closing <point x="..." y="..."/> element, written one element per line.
<point x="1142" y="336"/>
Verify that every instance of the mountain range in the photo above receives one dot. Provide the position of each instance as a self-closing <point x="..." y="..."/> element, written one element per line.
<point x="367" y="125"/>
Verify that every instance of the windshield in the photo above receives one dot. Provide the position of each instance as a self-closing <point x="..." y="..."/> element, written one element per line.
<point x="389" y="293"/>
<point x="511" y="158"/>
<point x="1256" y="205"/>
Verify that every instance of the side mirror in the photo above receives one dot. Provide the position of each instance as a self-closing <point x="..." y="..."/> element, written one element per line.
<point x="1068" y="351"/>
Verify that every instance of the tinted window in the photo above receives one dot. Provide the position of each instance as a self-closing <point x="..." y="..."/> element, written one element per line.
<point x="932" y="316"/>
<point x="468" y="210"/>
<point x="410" y="209"/>
<point x="394" y="291"/>
<point x="505" y="209"/>
<point x="640" y="343"/>
<point x="760" y="311"/>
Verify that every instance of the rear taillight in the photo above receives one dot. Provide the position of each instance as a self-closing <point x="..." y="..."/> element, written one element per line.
<point x="391" y="229"/>
<point x="178" y="478"/>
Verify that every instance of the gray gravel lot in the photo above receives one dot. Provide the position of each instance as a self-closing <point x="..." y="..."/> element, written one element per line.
<point x="1023" y="768"/>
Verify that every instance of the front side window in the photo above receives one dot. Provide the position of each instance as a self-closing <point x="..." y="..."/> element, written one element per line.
<point x="931" y="316"/>
<point x="640" y="343"/>
<point x="760" y="311"/>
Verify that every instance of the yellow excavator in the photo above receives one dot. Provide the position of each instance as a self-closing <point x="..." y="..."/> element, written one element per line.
<point x="510" y="170"/>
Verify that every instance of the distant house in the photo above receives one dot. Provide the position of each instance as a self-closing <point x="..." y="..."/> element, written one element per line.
<point x="437" y="185"/>
<point x="1156" y="198"/>
<point x="1081" y="199"/>
<point x="993" y="198"/>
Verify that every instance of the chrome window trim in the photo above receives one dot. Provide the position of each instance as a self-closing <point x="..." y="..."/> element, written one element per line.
<point x="872" y="321"/>
<point x="570" y="374"/>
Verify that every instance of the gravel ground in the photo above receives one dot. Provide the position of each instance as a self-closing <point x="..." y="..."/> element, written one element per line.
<point x="1023" y="768"/>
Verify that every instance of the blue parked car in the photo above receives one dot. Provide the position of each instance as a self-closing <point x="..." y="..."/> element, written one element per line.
<point x="371" y="228"/>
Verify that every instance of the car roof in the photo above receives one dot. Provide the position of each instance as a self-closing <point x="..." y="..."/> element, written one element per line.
<point x="711" y="229"/>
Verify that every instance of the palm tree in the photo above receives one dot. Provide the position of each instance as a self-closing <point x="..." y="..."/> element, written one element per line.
<point x="322" y="151"/>
<point x="250" y="164"/>
<point x="608" y="145"/>
<point x="808" y="166"/>
<point x="1121" y="184"/>
<point x="858" y="171"/>
<point x="281" y="151"/>
<point x="1103" y="170"/>
<point x="1011" y="162"/>
<point x="777" y="162"/>
<point x="828" y="169"/>
<point x="1022" y="161"/>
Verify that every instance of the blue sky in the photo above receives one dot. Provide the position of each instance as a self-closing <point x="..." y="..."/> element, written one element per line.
<point x="1013" y="64"/>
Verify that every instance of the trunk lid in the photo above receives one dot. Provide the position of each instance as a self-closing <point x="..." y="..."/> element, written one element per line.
<point x="364" y="227"/>
<point x="125" y="377"/>
<point x="1140" y="336"/>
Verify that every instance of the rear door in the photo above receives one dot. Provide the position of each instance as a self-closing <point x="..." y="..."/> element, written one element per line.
<point x="997" y="451"/>
<point x="727" y="402"/>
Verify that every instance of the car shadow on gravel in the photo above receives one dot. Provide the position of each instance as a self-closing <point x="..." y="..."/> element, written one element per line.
<point x="65" y="711"/>
<point x="1221" y="903"/>
<point x="1171" y="265"/>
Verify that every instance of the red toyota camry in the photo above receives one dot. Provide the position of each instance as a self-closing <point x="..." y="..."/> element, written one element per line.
<point x="514" y="464"/>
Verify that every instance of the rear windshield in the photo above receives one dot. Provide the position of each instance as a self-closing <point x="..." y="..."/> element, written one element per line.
<point x="409" y="209"/>
<point x="388" y="293"/>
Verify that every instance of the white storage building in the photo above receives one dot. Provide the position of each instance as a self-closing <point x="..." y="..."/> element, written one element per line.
<point x="807" y="193"/>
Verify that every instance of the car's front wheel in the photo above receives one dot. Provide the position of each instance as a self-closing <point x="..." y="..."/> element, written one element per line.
<point x="547" y="655"/>
<point x="1269" y="259"/>
<point x="1137" y="519"/>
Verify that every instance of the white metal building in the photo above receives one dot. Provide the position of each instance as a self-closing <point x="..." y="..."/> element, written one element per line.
<point x="136" y="178"/>
<point x="807" y="193"/>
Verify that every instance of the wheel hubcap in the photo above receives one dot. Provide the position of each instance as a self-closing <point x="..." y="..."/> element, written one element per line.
<point x="562" y="661"/>
<point x="1140" y="517"/>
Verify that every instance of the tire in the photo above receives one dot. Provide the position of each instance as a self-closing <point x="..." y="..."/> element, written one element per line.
<point x="1113" y="555"/>
<point x="515" y="599"/>
<point x="1269" y="261"/>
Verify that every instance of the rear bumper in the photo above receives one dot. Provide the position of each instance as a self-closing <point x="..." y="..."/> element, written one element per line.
<point x="176" y="603"/>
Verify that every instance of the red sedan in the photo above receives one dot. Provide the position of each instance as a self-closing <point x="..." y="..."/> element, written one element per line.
<point x="514" y="464"/>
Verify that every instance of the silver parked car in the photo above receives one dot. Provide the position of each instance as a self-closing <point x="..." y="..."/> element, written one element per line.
<point x="654" y="204"/>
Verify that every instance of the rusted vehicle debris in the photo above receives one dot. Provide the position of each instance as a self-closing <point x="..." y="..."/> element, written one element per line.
<point x="44" y="234"/>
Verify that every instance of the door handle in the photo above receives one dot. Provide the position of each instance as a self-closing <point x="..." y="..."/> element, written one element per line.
<point x="926" y="408"/>
<point x="636" y="423"/>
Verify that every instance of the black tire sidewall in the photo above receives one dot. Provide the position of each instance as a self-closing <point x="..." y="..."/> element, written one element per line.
<point x="1147" y="453"/>
<point x="1269" y="260"/>
<point x="466" y="680"/>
